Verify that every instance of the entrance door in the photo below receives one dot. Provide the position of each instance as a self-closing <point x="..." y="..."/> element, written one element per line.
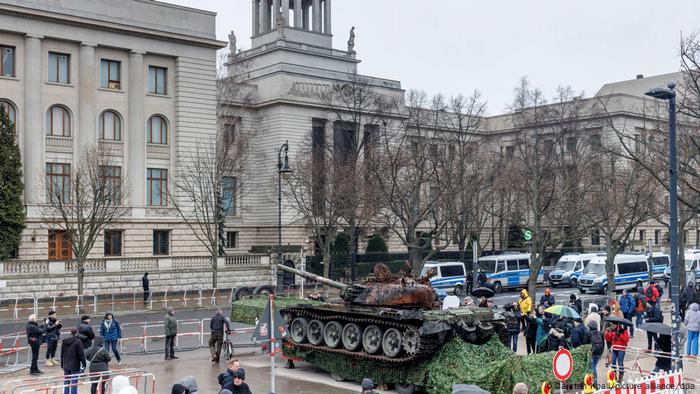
<point x="59" y="246"/>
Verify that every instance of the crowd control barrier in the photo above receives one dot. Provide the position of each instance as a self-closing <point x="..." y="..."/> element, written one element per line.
<point x="142" y="380"/>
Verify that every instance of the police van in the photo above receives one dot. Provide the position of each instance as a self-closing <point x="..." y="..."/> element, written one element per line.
<point x="447" y="274"/>
<point x="569" y="268"/>
<point x="659" y="264"/>
<point x="692" y="267"/>
<point x="631" y="271"/>
<point x="507" y="271"/>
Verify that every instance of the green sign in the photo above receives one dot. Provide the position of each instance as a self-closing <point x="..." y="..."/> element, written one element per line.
<point x="527" y="235"/>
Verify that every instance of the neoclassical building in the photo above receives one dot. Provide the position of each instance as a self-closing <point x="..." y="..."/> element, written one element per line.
<point x="135" y="78"/>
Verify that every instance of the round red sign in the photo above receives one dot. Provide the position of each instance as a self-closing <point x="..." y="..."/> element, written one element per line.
<point x="562" y="365"/>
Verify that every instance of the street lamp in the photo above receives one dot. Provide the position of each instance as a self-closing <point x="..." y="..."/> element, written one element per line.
<point x="669" y="94"/>
<point x="282" y="169"/>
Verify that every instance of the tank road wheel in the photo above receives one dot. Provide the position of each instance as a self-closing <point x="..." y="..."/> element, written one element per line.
<point x="468" y="332"/>
<point x="391" y="342"/>
<point x="372" y="339"/>
<point x="352" y="336"/>
<point x="332" y="334"/>
<point x="314" y="332"/>
<point x="410" y="341"/>
<point x="484" y="332"/>
<point x="298" y="329"/>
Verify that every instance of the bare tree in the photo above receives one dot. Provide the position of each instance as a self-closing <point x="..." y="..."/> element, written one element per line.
<point x="83" y="201"/>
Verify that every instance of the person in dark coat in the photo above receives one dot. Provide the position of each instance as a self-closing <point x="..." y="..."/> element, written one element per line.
<point x="579" y="335"/>
<point x="99" y="362"/>
<point x="53" y="333"/>
<point x="531" y="332"/>
<point x="146" y="284"/>
<point x="627" y="305"/>
<point x="85" y="332"/>
<point x="170" y="328"/>
<point x="216" y="339"/>
<point x="663" y="361"/>
<point x="72" y="360"/>
<point x="575" y="303"/>
<point x="111" y="332"/>
<point x="687" y="297"/>
<point x="547" y="299"/>
<point x="35" y="335"/>
<point x="513" y="325"/>
<point x="653" y="315"/>
<point x="226" y="378"/>
<point x="238" y="386"/>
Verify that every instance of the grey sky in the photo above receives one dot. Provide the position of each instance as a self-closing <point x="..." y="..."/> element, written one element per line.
<point x="456" y="46"/>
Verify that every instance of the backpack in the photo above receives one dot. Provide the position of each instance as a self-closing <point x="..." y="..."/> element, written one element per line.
<point x="660" y="289"/>
<point x="649" y="292"/>
<point x="597" y="344"/>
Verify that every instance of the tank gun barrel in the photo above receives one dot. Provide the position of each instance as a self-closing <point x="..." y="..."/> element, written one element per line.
<point x="313" y="277"/>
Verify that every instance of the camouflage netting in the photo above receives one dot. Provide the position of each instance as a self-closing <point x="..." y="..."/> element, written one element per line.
<point x="490" y="366"/>
<point x="245" y="310"/>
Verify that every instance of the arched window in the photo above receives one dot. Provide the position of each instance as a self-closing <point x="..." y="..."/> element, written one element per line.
<point x="110" y="126"/>
<point x="157" y="129"/>
<point x="58" y="122"/>
<point x="9" y="110"/>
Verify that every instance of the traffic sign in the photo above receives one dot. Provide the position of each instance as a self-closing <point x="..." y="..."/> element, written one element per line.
<point x="563" y="365"/>
<point x="527" y="235"/>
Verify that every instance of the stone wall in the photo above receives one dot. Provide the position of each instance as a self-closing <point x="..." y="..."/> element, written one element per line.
<point x="44" y="278"/>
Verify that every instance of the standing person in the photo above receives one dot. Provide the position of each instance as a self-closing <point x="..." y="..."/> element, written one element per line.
<point x="687" y="298"/>
<point x="579" y="335"/>
<point x="99" y="362"/>
<point x="238" y="386"/>
<point x="111" y="332"/>
<point x="627" y="306"/>
<point x="72" y="360"/>
<point x="597" y="347"/>
<point x="692" y="322"/>
<point x="513" y="325"/>
<point x="226" y="378"/>
<point x="53" y="332"/>
<point x="651" y="292"/>
<point x="575" y="303"/>
<point x="615" y="309"/>
<point x="593" y="315"/>
<point x="481" y="278"/>
<point x="190" y="384"/>
<point x="619" y="338"/>
<point x="639" y="308"/>
<point x="35" y="335"/>
<point x="85" y="332"/>
<point x="217" y="325"/>
<point x="547" y="299"/>
<point x="653" y="315"/>
<point x="170" y="326"/>
<point x="525" y="304"/>
<point x="531" y="333"/>
<point x="146" y="284"/>
<point x="663" y="360"/>
<point x="470" y="282"/>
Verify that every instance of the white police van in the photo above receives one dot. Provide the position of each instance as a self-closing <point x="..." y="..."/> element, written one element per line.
<point x="569" y="268"/>
<point x="631" y="270"/>
<point x="447" y="274"/>
<point x="507" y="271"/>
<point x="659" y="264"/>
<point x="692" y="267"/>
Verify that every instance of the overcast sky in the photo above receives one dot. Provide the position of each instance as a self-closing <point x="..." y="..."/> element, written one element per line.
<point x="456" y="46"/>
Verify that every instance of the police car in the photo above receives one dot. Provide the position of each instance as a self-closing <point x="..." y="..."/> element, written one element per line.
<point x="692" y="267"/>
<point x="446" y="274"/>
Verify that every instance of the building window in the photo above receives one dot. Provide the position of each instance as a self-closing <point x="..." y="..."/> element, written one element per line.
<point x="157" y="130"/>
<point x="228" y="192"/>
<point x="549" y="147"/>
<point x="318" y="163"/>
<point x="59" y="245"/>
<point x="642" y="233"/>
<point x="596" y="142"/>
<point x="157" y="187"/>
<point x="229" y="134"/>
<point x="571" y="144"/>
<point x="510" y="152"/>
<point x="113" y="242"/>
<point x="7" y="63"/>
<point x="58" y="122"/>
<point x="111" y="180"/>
<point x="9" y="110"/>
<point x="58" y="182"/>
<point x="157" y="80"/>
<point x="161" y="242"/>
<point x="595" y="238"/>
<point x="657" y="237"/>
<point x="110" y="74"/>
<point x="59" y="67"/>
<point x="232" y="239"/>
<point x="110" y="126"/>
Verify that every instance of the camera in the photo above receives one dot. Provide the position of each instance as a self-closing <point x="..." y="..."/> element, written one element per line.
<point x="508" y="307"/>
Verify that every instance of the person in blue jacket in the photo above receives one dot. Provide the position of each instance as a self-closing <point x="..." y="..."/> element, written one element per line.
<point x="627" y="307"/>
<point x="111" y="332"/>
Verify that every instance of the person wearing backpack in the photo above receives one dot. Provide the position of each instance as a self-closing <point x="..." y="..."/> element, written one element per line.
<point x="597" y="347"/>
<point x="579" y="335"/>
<point x="651" y="292"/>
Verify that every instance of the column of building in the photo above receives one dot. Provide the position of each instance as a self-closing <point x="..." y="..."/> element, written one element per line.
<point x="137" y="134"/>
<point x="298" y="22"/>
<point x="256" y="17"/>
<point x="34" y="135"/>
<point x="87" y="136"/>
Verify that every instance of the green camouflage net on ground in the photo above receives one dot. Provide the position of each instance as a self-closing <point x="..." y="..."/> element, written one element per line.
<point x="245" y="310"/>
<point x="490" y="366"/>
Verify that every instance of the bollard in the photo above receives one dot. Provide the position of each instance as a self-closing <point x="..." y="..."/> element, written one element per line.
<point x="184" y="299"/>
<point x="213" y="298"/>
<point x="112" y="301"/>
<point x="199" y="302"/>
<point x="16" y="315"/>
<point x="230" y="296"/>
<point x="94" y="302"/>
<point x="77" y="304"/>
<point x="36" y="306"/>
<point x="53" y="304"/>
<point x="134" y="303"/>
<point x="165" y="299"/>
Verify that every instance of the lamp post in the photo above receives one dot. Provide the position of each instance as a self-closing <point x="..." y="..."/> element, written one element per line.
<point x="669" y="94"/>
<point x="282" y="169"/>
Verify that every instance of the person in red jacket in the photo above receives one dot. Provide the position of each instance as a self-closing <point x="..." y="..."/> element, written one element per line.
<point x="651" y="292"/>
<point x="618" y="336"/>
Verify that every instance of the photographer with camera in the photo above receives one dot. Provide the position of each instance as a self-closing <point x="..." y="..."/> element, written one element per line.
<point x="513" y="317"/>
<point x="53" y="332"/>
<point x="35" y="336"/>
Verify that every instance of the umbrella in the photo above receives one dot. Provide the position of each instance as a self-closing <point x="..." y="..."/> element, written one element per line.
<point x="563" y="311"/>
<point x="483" y="292"/>
<point x="468" y="389"/>
<point x="659" y="328"/>
<point x="618" y="320"/>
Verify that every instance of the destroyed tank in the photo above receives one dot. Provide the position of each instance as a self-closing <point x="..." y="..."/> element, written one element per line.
<point x="389" y="318"/>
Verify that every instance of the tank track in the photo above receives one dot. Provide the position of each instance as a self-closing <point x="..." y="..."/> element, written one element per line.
<point x="428" y="343"/>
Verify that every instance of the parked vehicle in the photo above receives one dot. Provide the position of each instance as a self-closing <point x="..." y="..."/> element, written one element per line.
<point x="692" y="267"/>
<point x="660" y="263"/>
<point x="507" y="271"/>
<point x="447" y="274"/>
<point x="569" y="268"/>
<point x="631" y="271"/>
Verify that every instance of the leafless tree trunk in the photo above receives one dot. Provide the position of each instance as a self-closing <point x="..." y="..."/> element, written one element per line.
<point x="85" y="202"/>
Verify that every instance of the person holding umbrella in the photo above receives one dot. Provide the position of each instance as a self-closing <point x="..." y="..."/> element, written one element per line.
<point x="618" y="337"/>
<point x="663" y="358"/>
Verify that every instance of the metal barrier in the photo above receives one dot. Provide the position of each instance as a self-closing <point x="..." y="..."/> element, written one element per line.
<point x="671" y="383"/>
<point x="139" y="378"/>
